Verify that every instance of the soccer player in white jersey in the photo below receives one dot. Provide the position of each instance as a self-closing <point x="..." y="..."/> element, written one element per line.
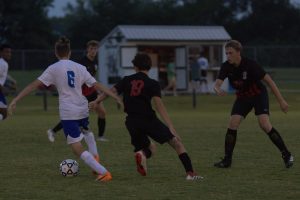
<point x="68" y="77"/>
<point x="5" y="55"/>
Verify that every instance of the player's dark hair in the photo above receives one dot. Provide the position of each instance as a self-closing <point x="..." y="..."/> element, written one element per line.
<point x="62" y="47"/>
<point x="5" y="46"/>
<point x="142" y="61"/>
<point x="234" y="44"/>
<point x="93" y="43"/>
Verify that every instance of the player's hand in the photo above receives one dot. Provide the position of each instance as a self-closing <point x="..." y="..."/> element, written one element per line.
<point x="219" y="91"/>
<point x="92" y="105"/>
<point x="284" y="106"/>
<point x="12" y="106"/>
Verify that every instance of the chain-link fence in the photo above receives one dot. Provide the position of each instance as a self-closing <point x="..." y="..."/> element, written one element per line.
<point x="37" y="59"/>
<point x="274" y="56"/>
<point x="267" y="56"/>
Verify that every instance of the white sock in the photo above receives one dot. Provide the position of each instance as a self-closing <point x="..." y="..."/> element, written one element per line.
<point x="88" y="158"/>
<point x="90" y="141"/>
<point x="1" y="117"/>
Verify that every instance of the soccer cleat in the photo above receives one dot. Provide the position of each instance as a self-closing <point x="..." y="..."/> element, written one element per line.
<point x="141" y="165"/>
<point x="102" y="139"/>
<point x="224" y="163"/>
<point x="104" y="177"/>
<point x="192" y="176"/>
<point x="288" y="160"/>
<point x="51" y="135"/>
<point x="97" y="158"/>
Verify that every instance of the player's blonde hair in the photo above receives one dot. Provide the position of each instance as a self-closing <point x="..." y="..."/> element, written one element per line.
<point x="234" y="44"/>
<point x="93" y="43"/>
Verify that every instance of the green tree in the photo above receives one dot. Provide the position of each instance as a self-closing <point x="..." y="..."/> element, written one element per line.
<point x="268" y="22"/>
<point x="25" y="24"/>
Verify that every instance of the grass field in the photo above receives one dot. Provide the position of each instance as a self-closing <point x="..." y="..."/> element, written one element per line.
<point x="29" y="166"/>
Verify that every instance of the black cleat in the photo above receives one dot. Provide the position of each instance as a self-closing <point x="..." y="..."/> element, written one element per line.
<point x="288" y="160"/>
<point x="224" y="163"/>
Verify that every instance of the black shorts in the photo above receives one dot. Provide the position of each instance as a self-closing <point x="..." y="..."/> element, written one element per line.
<point x="92" y="97"/>
<point x="260" y="103"/>
<point x="141" y="129"/>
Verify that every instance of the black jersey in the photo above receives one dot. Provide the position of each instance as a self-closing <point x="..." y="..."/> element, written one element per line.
<point x="91" y="65"/>
<point x="138" y="90"/>
<point x="245" y="79"/>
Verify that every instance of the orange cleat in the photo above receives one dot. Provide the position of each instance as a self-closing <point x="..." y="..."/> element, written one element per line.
<point x="104" y="177"/>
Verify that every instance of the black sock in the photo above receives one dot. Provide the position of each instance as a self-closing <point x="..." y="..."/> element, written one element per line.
<point x="57" y="128"/>
<point x="230" y="140"/>
<point x="101" y="126"/>
<point x="186" y="162"/>
<point x="277" y="140"/>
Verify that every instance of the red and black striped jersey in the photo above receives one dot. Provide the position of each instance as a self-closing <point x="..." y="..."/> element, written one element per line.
<point x="245" y="78"/>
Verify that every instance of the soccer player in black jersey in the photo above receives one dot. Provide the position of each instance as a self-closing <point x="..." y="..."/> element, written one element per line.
<point x="138" y="90"/>
<point x="90" y="62"/>
<point x="246" y="77"/>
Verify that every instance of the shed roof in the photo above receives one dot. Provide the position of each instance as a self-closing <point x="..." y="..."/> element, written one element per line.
<point x="173" y="33"/>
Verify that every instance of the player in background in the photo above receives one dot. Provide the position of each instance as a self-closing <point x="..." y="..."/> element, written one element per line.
<point x="68" y="77"/>
<point x="138" y="90"/>
<point x="5" y="56"/>
<point x="90" y="61"/>
<point x="246" y="77"/>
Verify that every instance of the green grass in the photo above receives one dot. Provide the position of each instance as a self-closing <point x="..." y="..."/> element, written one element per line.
<point x="29" y="163"/>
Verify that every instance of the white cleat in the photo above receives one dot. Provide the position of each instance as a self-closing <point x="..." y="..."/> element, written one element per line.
<point x="193" y="177"/>
<point x="51" y="135"/>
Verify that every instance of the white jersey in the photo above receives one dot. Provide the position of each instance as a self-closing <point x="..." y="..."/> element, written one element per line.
<point x="68" y="77"/>
<point x="3" y="71"/>
<point x="203" y="63"/>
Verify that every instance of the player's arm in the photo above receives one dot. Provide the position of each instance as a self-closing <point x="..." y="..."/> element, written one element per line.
<point x="27" y="90"/>
<point x="283" y="104"/>
<point x="100" y="87"/>
<point x="217" y="88"/>
<point x="161" y="109"/>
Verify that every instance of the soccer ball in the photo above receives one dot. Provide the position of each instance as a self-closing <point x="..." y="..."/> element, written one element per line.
<point x="69" y="168"/>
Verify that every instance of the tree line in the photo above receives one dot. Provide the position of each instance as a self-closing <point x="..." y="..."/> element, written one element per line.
<point x="26" y="25"/>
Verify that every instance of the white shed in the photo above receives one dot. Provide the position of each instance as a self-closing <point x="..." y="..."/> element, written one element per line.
<point x="118" y="48"/>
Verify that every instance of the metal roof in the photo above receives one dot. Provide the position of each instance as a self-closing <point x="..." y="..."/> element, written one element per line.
<point x="174" y="33"/>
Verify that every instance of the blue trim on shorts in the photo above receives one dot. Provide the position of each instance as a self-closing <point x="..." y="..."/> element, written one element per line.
<point x="72" y="127"/>
<point x="2" y="98"/>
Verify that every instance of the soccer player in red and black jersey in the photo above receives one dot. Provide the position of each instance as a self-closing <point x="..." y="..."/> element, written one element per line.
<point x="246" y="77"/>
<point x="90" y="62"/>
<point x="142" y="123"/>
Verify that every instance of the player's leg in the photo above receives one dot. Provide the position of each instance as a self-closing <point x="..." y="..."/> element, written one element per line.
<point x="160" y="133"/>
<point x="239" y="111"/>
<point x="275" y="137"/>
<point x="74" y="136"/>
<point x="52" y="132"/>
<point x="261" y="106"/>
<point x="143" y="147"/>
<point x="103" y="173"/>
<point x="177" y="145"/>
<point x="101" y="112"/>
<point x="89" y="138"/>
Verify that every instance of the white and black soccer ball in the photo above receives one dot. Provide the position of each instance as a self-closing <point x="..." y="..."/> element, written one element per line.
<point x="69" y="168"/>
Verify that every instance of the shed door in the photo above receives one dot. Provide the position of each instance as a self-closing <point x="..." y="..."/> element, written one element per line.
<point x="181" y="68"/>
